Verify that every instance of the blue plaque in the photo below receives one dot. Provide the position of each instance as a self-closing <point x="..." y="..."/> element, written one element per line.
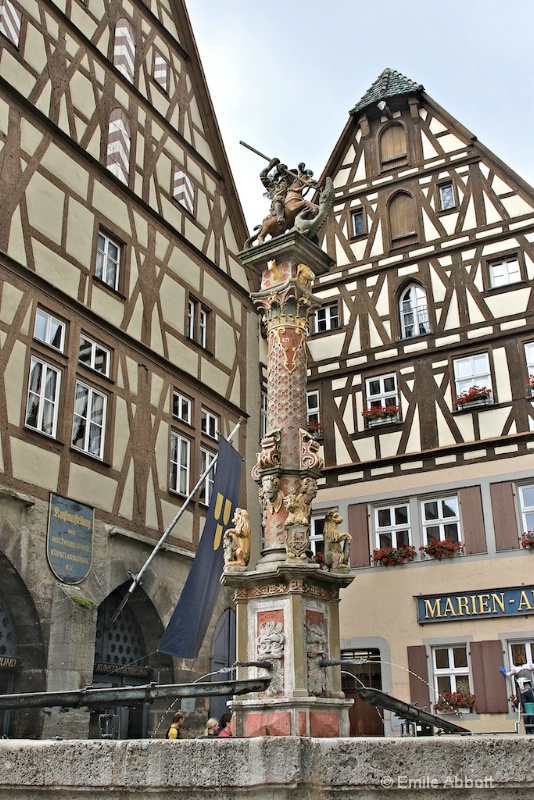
<point x="69" y="541"/>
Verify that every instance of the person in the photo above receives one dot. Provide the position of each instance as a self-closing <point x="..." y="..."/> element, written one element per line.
<point x="522" y="675"/>
<point x="212" y="728"/>
<point x="277" y="186"/>
<point x="225" y="724"/>
<point x="174" y="730"/>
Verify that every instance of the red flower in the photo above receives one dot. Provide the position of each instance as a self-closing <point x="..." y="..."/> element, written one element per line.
<point x="473" y="394"/>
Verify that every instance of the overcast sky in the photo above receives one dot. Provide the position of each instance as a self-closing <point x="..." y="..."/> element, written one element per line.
<point x="283" y="76"/>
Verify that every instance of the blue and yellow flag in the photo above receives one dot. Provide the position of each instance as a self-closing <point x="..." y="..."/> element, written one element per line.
<point x="187" y="627"/>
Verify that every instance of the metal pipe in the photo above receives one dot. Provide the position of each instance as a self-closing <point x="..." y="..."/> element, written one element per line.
<point x="125" y="695"/>
<point x="408" y="711"/>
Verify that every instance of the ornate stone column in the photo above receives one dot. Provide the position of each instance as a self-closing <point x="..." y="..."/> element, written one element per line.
<point x="287" y="606"/>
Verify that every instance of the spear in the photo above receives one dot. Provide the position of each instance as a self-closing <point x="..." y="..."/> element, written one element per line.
<point x="253" y="149"/>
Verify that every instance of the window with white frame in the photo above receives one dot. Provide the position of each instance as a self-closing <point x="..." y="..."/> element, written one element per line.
<point x="529" y="358"/>
<point x="317" y="536"/>
<point x="327" y="318"/>
<point x="43" y="397"/>
<point x="523" y="648"/>
<point x="89" y="420"/>
<point x="182" y="407"/>
<point x="504" y="271"/>
<point x="108" y="260"/>
<point x="441" y="519"/>
<point x="358" y="222"/>
<point x="50" y="330"/>
<point x="183" y="190"/>
<point x="263" y="414"/>
<point x="180" y="463"/>
<point x="446" y="196"/>
<point x="392" y="525"/>
<point x="451" y="669"/>
<point x="161" y="72"/>
<point x="313" y="413"/>
<point x="413" y="312"/>
<point x="206" y="459"/>
<point x="382" y="393"/>
<point x="197" y="322"/>
<point x="209" y="423"/>
<point x="470" y="372"/>
<point x="10" y="22"/>
<point x="94" y="355"/>
<point x="526" y="500"/>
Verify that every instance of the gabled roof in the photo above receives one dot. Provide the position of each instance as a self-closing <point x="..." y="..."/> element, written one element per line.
<point x="389" y="83"/>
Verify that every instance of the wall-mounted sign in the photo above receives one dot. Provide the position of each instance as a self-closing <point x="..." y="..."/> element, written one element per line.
<point x="484" y="604"/>
<point x="69" y="541"/>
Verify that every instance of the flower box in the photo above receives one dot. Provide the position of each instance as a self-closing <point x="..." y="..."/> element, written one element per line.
<point x="315" y="428"/>
<point x="529" y="383"/>
<point x="392" y="556"/>
<point x="443" y="548"/>
<point x="380" y="415"/>
<point x="455" y="703"/>
<point x="527" y="540"/>
<point x="475" y="396"/>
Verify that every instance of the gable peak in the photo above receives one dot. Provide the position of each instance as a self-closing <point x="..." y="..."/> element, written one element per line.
<point x="389" y="83"/>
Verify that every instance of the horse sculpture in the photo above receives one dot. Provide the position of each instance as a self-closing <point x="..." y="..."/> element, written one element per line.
<point x="294" y="203"/>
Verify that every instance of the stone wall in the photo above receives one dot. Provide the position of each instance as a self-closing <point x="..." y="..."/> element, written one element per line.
<point x="277" y="768"/>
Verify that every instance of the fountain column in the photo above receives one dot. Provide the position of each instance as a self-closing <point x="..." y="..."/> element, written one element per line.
<point x="287" y="606"/>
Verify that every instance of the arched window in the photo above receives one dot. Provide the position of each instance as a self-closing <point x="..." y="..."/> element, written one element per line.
<point x="118" y="155"/>
<point x="402" y="219"/>
<point x="413" y="310"/>
<point x="393" y="146"/>
<point x="124" y="49"/>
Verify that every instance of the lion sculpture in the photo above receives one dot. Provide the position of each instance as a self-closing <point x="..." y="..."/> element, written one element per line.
<point x="336" y="544"/>
<point x="237" y="540"/>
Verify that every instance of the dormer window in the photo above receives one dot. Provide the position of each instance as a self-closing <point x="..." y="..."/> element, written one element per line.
<point x="393" y="146"/>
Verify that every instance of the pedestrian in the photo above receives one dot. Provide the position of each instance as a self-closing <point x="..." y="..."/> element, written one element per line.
<point x="176" y="724"/>
<point x="522" y="675"/>
<point x="226" y="724"/>
<point x="212" y="728"/>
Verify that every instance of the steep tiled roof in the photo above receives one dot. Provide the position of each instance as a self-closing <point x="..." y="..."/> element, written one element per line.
<point x="389" y="84"/>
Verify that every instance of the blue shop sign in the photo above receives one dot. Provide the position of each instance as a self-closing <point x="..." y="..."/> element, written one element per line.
<point x="483" y="604"/>
<point x="69" y="541"/>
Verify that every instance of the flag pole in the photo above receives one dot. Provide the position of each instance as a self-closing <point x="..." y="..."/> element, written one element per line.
<point x="137" y="578"/>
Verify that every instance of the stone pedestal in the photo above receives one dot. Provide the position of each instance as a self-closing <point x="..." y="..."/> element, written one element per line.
<point x="287" y="606"/>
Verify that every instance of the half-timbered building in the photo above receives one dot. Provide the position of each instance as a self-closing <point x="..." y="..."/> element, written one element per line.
<point x="421" y="384"/>
<point x="127" y="344"/>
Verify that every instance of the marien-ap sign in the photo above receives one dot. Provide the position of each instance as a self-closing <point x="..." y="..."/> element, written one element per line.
<point x="69" y="543"/>
<point x="485" y="604"/>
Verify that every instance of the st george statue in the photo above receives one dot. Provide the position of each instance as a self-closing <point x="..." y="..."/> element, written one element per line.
<point x="289" y="208"/>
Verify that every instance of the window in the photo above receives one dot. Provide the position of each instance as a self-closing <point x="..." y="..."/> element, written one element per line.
<point x="393" y="148"/>
<point x="504" y="271"/>
<point x="206" y="459"/>
<point x="402" y="219"/>
<point x="451" y="669"/>
<point x="209" y="423"/>
<point x="263" y="414"/>
<point x="124" y="49"/>
<point x="161" y="72"/>
<point x="472" y="372"/>
<point x="529" y="358"/>
<point x="446" y="196"/>
<point x="89" y="420"/>
<point x="382" y="392"/>
<point x="94" y="355"/>
<point x="118" y="151"/>
<point x="183" y="190"/>
<point x="182" y="407"/>
<point x="313" y="413"/>
<point x="107" y="261"/>
<point x="392" y="526"/>
<point x="525" y="649"/>
<point x="441" y="519"/>
<point x="43" y="397"/>
<point x="358" y="222"/>
<point x="49" y="330"/>
<point x="327" y="318"/>
<point x="317" y="536"/>
<point x="197" y="322"/>
<point x="180" y="464"/>
<point x="10" y="21"/>
<point x="414" y="312"/>
<point x="526" y="499"/>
